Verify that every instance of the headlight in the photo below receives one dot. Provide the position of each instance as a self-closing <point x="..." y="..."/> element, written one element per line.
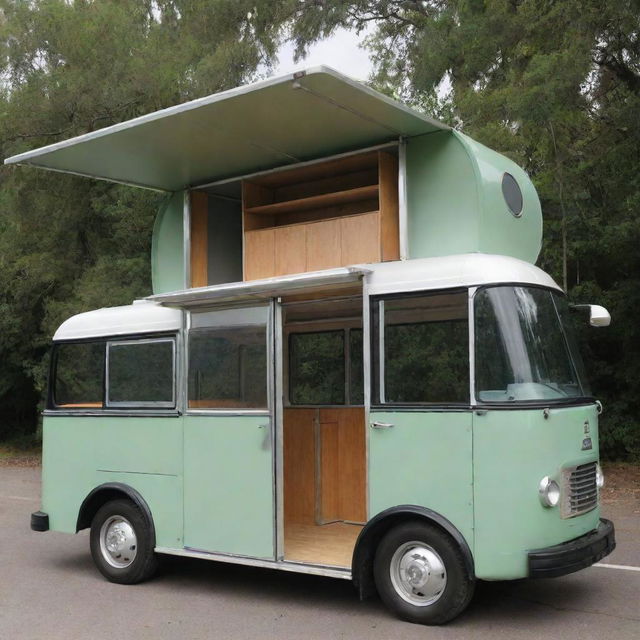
<point x="599" y="477"/>
<point x="549" y="492"/>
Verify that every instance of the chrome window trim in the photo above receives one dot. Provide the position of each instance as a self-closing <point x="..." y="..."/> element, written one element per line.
<point x="381" y="354"/>
<point x="108" y="404"/>
<point x="403" y="216"/>
<point x="232" y="411"/>
<point x="278" y="422"/>
<point x="472" y="346"/>
<point x="186" y="233"/>
<point x="296" y="567"/>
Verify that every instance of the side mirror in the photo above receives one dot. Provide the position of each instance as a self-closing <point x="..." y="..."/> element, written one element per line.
<point x="598" y="316"/>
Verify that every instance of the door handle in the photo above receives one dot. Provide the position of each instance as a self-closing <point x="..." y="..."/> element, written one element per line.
<point x="381" y="425"/>
<point x="266" y="441"/>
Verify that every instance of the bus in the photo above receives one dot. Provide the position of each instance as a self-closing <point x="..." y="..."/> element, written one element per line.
<point x="349" y="366"/>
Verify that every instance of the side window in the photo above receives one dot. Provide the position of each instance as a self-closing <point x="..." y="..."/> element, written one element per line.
<point x="325" y="367"/>
<point x="228" y="359"/>
<point x="141" y="373"/>
<point x="316" y="368"/>
<point x="79" y="373"/>
<point x="422" y="349"/>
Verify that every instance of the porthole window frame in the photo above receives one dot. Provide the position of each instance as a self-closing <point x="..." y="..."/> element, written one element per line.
<point x="506" y="176"/>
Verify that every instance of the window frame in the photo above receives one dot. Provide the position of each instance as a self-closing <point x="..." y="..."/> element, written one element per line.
<point x="271" y="348"/>
<point x="524" y="404"/>
<point x="53" y="409"/>
<point x="138" y="404"/>
<point x="320" y="328"/>
<point x="53" y="376"/>
<point x="377" y="346"/>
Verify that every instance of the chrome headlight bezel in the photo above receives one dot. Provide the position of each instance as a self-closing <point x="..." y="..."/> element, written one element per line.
<point x="599" y="477"/>
<point x="549" y="492"/>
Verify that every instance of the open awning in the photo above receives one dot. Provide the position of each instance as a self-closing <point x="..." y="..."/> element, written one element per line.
<point x="299" y="283"/>
<point x="302" y="116"/>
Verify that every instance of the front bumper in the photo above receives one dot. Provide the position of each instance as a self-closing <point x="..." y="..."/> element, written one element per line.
<point x="573" y="555"/>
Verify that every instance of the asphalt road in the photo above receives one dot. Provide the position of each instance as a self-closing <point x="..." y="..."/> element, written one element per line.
<point x="50" y="589"/>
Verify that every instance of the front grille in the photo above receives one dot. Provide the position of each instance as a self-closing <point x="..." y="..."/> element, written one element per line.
<point x="579" y="491"/>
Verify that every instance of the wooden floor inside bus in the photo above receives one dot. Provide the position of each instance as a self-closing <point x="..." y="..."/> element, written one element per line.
<point x="330" y="544"/>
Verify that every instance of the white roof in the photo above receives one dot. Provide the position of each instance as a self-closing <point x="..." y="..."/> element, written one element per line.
<point x="466" y="270"/>
<point x="140" y="317"/>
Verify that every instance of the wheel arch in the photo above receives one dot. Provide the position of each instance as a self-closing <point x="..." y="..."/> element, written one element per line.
<point x="105" y="493"/>
<point x="377" y="527"/>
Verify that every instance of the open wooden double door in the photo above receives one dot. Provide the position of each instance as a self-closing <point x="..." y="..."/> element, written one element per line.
<point x="324" y="449"/>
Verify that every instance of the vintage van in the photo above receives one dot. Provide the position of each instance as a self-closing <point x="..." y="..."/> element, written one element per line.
<point x="349" y="365"/>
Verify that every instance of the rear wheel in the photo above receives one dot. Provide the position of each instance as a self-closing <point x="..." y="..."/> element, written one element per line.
<point x="122" y="543"/>
<point x="421" y="575"/>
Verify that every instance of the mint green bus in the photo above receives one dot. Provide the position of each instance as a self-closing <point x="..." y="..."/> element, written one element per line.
<point x="350" y="365"/>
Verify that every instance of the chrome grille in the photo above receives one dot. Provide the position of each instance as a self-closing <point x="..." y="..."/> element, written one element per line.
<point x="579" y="491"/>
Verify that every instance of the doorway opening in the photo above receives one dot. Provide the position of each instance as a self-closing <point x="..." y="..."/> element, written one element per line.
<point x="324" y="431"/>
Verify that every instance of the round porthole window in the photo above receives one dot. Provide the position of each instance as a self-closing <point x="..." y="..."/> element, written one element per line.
<point x="512" y="194"/>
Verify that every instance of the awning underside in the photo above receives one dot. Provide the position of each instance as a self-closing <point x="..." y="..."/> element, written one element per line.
<point x="261" y="126"/>
<point x="301" y="283"/>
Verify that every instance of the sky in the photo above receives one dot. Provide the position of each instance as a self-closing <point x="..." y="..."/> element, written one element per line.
<point x="340" y="51"/>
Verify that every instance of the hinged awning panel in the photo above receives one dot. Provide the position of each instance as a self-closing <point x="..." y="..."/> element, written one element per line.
<point x="260" y="126"/>
<point x="300" y="283"/>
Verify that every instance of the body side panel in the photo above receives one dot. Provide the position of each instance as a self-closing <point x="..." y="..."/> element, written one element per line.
<point x="513" y="451"/>
<point x="424" y="460"/>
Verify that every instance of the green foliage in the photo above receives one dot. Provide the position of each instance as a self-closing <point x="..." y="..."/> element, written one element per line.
<point x="555" y="86"/>
<point x="68" y="67"/>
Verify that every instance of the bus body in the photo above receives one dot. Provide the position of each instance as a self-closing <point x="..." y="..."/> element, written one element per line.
<point x="350" y="365"/>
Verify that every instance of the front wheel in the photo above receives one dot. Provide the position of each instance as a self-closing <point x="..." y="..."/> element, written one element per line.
<point x="421" y="575"/>
<point x="122" y="543"/>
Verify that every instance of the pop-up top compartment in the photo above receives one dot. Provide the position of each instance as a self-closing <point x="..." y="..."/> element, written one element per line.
<point x="320" y="216"/>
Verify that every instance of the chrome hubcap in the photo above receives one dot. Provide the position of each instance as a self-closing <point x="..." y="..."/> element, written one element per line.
<point x="118" y="542"/>
<point x="417" y="573"/>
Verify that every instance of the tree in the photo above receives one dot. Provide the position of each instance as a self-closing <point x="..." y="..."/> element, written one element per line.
<point x="555" y="86"/>
<point x="68" y="67"/>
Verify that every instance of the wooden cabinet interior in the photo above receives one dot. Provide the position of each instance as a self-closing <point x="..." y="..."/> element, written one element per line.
<point x="324" y="465"/>
<point x="321" y="216"/>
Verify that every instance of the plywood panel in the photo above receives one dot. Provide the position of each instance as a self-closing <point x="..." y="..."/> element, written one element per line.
<point x="323" y="245"/>
<point x="389" y="222"/>
<point x="299" y="465"/>
<point x="330" y="544"/>
<point x="259" y="254"/>
<point x="348" y="164"/>
<point x="360" y="239"/>
<point x="352" y="461"/>
<point x="349" y="180"/>
<point x="343" y="470"/>
<point x="198" y="233"/>
<point x="254" y="195"/>
<point x="290" y="249"/>
<point x="330" y="479"/>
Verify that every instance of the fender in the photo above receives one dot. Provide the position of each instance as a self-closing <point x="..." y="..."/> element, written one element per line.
<point x="374" y="530"/>
<point x="111" y="491"/>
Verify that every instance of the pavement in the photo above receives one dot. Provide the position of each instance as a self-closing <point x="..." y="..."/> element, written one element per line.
<point x="50" y="589"/>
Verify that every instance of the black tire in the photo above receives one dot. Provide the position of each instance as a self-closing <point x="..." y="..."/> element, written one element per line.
<point x="444" y="595"/>
<point x="129" y="563"/>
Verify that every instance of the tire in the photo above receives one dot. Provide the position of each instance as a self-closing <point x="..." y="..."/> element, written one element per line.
<point x="421" y="575"/>
<point x="122" y="543"/>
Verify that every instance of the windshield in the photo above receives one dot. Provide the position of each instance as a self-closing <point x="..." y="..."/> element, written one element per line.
<point x="524" y="347"/>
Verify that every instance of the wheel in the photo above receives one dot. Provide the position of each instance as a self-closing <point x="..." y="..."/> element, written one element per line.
<point x="122" y="543"/>
<point x="420" y="574"/>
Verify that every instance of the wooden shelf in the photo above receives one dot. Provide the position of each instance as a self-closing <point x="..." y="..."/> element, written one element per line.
<point x="331" y="214"/>
<point x="317" y="202"/>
